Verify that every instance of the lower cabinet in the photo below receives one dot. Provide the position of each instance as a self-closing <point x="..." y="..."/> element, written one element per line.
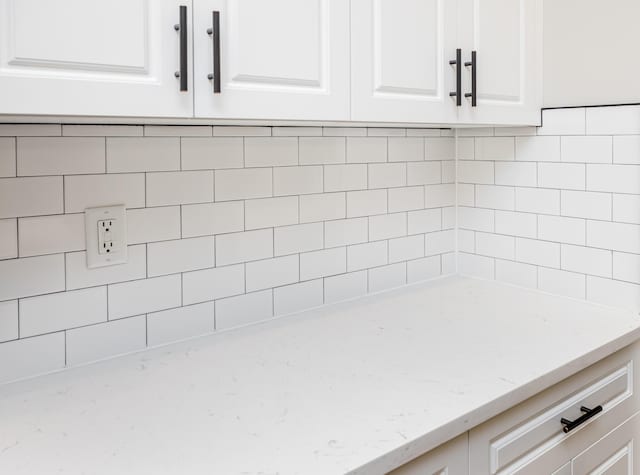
<point x="450" y="458"/>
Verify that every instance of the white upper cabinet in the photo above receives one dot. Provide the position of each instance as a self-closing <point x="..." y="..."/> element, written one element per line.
<point x="278" y="59"/>
<point x="94" y="57"/>
<point x="507" y="38"/>
<point x="399" y="57"/>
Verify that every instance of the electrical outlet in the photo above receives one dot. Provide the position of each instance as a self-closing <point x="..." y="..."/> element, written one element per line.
<point x="106" y="232"/>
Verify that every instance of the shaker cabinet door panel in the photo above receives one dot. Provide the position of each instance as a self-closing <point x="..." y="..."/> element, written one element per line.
<point x="279" y="59"/>
<point x="89" y="57"/>
<point x="400" y="51"/>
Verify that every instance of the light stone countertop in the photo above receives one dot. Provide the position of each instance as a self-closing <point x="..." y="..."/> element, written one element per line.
<point x="358" y="387"/>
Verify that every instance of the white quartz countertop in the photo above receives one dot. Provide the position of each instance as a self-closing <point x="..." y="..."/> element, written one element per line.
<point x="358" y="387"/>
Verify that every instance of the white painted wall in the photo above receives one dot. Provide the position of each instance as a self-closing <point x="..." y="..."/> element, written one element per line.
<point x="591" y="52"/>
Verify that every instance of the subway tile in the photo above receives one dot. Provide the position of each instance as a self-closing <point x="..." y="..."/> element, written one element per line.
<point x="424" y="221"/>
<point x="538" y="149"/>
<point x="181" y="255"/>
<point x="495" y="148"/>
<point x="297" y="180"/>
<point x="323" y="263"/>
<point x="406" y="248"/>
<point x="172" y="188"/>
<point x="153" y="224"/>
<point x="541" y="253"/>
<point x="78" y="275"/>
<point x="88" y="191"/>
<point x="561" y="229"/>
<point x="466" y="240"/>
<point x="516" y="224"/>
<point x="32" y="356"/>
<point x="470" y="171"/>
<point x="613" y="120"/>
<point x="270" y="151"/>
<point x="7" y="157"/>
<point x="8" y="320"/>
<point x="423" y="269"/>
<point x="212" y="284"/>
<point x="322" y="207"/>
<point x="449" y="217"/>
<point x="30" y="130"/>
<point x="345" y="231"/>
<point x="180" y="323"/>
<point x="8" y="238"/>
<point x="586" y="149"/>
<point x="60" y="155"/>
<point x="442" y="148"/>
<point x="626" y="208"/>
<point x="287" y="131"/>
<point x="387" y="226"/>
<point x="514" y="131"/>
<point x="615" y="236"/>
<point x="614" y="178"/>
<point x="363" y="256"/>
<point x="178" y="130"/>
<point x="476" y="266"/>
<point x="51" y="234"/>
<point x="585" y="204"/>
<point x="385" y="132"/>
<point x="366" y="203"/>
<point x="208" y="153"/>
<point x="437" y="196"/>
<point x="495" y="245"/>
<point x="569" y="176"/>
<point x="345" y="177"/>
<point x="448" y="172"/>
<point x="387" y="175"/>
<point x="405" y="149"/>
<point x="270" y="273"/>
<point x="516" y="174"/>
<point x="586" y="260"/>
<point x="240" y="131"/>
<point x="626" y="267"/>
<point x="298" y="297"/>
<point x="97" y="342"/>
<point x="517" y="273"/>
<point x="475" y="132"/>
<point x="344" y="131"/>
<point x="561" y="282"/>
<point x="421" y="132"/>
<point x="496" y="197"/>
<point x="406" y="199"/>
<point x="298" y="238"/>
<point x="387" y="277"/>
<point x="60" y="311"/>
<point x="142" y="154"/>
<point x="212" y="218"/>
<point x="244" y="246"/>
<point x="477" y="219"/>
<point x="244" y="309"/>
<point x="613" y="293"/>
<point x="626" y="149"/>
<point x="563" y="122"/>
<point x="270" y="212"/>
<point x="366" y="149"/>
<point x="422" y="173"/>
<point x="81" y="130"/>
<point x="449" y="263"/>
<point x="144" y="296"/>
<point x="466" y="148"/>
<point x="322" y="150"/>
<point x="536" y="200"/>
<point x="30" y="196"/>
<point x="31" y="276"/>
<point x="345" y="286"/>
<point x="439" y="242"/>
<point x="243" y="184"/>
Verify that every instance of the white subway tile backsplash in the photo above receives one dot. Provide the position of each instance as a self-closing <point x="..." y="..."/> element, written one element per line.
<point x="298" y="238"/>
<point x="585" y="204"/>
<point x="517" y="273"/>
<point x="180" y="323"/>
<point x="88" y="191"/>
<point x="345" y="286"/>
<point x="613" y="293"/>
<point x="538" y="200"/>
<point x="7" y="157"/>
<point x="178" y="130"/>
<point x="586" y="260"/>
<point x="298" y="297"/>
<point x="244" y="309"/>
<point x="234" y="131"/>
<point x="470" y="171"/>
<point x="587" y="149"/>
<point x="180" y="255"/>
<point x="243" y="184"/>
<point x="290" y="131"/>
<point x="448" y="172"/>
<point x="560" y="229"/>
<point x="272" y="272"/>
<point x="406" y="199"/>
<point x="424" y="221"/>
<point x="626" y="149"/>
<point x="570" y="121"/>
<point x="366" y="203"/>
<point x="515" y="173"/>
<point x="322" y="207"/>
<point x="495" y="245"/>
<point x="560" y="282"/>
<point x="385" y="132"/>
<point x="297" y="180"/>
<point x="423" y="269"/>
<point x="344" y="131"/>
<point x="32" y="356"/>
<point x="516" y="224"/>
<point x="8" y="320"/>
<point x="54" y="312"/>
<point x="540" y="253"/>
<point x="212" y="218"/>
<point x="476" y="266"/>
<point x="477" y="219"/>
<point x="141" y="154"/>
<point x="538" y="149"/>
<point x="406" y="149"/>
<point x="31" y="196"/>
<point x="143" y="296"/>
<point x="496" y="197"/>
<point x="9" y="238"/>
<point x="153" y="224"/>
<point x="211" y="284"/>
<point x="270" y="212"/>
<point x="270" y="151"/>
<point x="626" y="267"/>
<point x="28" y="130"/>
<point x="60" y="155"/>
<point x="345" y="231"/>
<point x="366" y="149"/>
<point x="387" y="277"/>
<point x="78" y="275"/>
<point x="406" y="248"/>
<point x="613" y="120"/>
<point x="388" y="175"/>
<point x="466" y="240"/>
<point x="626" y="208"/>
<point x="495" y="148"/>
<point x="64" y="232"/>
<point x="322" y="150"/>
<point x="427" y="132"/>
<point x="437" y="196"/>
<point x="244" y="246"/>
<point x="614" y="178"/>
<point x="363" y="256"/>
<point x="614" y="236"/>
<point x="173" y="188"/>
<point x="441" y="148"/>
<point x="323" y="263"/>
<point x="567" y="176"/>
<point x="31" y="276"/>
<point x="88" y="130"/>
<point x="423" y="173"/>
<point x="440" y="242"/>
<point x="97" y="342"/>
<point x="385" y="226"/>
<point x="200" y="153"/>
<point x="345" y="177"/>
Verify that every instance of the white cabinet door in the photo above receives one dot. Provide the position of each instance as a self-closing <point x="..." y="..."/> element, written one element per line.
<point x="279" y="59"/>
<point x="507" y="38"/>
<point x="400" y="52"/>
<point x="93" y="57"/>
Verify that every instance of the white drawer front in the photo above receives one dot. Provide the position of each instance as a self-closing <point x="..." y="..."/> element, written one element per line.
<point x="450" y="458"/>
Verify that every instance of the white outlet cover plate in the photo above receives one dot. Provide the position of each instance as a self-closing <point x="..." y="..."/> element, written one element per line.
<point x="119" y="232"/>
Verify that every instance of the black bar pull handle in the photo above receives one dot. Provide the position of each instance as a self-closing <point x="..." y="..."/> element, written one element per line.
<point x="457" y="63"/>
<point x="182" y="29"/>
<point x="588" y="414"/>
<point x="214" y="32"/>
<point x="474" y="72"/>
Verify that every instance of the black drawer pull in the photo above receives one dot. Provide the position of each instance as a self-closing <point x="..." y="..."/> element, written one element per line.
<point x="182" y="29"/>
<point x="458" y="64"/>
<point x="474" y="73"/>
<point x="588" y="414"/>
<point x="214" y="32"/>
